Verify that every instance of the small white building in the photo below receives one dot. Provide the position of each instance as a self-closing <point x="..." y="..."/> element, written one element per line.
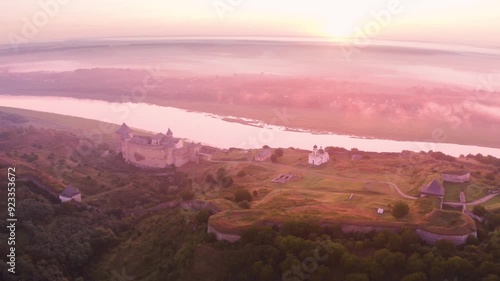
<point x="70" y="193"/>
<point x="318" y="156"/>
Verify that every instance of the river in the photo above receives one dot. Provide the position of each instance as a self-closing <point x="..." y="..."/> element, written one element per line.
<point x="217" y="130"/>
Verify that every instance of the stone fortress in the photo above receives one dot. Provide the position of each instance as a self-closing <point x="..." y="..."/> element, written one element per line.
<point x="158" y="151"/>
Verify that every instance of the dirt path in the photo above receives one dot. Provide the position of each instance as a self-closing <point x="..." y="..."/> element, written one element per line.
<point x="267" y="197"/>
<point x="93" y="197"/>
<point x="477" y="202"/>
<point x="395" y="186"/>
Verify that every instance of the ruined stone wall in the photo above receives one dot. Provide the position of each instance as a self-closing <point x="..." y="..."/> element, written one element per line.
<point x="223" y="236"/>
<point x="146" y="155"/>
<point x="349" y="228"/>
<point x="426" y="236"/>
<point x="181" y="157"/>
<point x="432" y="238"/>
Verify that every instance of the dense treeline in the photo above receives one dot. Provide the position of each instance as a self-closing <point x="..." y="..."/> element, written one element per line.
<point x="488" y="160"/>
<point x="306" y="251"/>
<point x="69" y="242"/>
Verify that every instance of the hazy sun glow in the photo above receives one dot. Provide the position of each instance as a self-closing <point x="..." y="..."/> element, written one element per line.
<point x="339" y="28"/>
<point x="423" y="20"/>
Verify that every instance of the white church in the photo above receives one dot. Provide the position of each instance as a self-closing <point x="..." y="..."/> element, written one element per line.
<point x="318" y="156"/>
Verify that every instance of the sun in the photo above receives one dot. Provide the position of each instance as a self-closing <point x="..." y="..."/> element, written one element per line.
<point x="339" y="28"/>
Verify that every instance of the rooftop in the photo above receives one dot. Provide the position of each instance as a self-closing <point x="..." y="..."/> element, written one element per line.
<point x="159" y="137"/>
<point x="123" y="130"/>
<point x="433" y="188"/>
<point x="69" y="192"/>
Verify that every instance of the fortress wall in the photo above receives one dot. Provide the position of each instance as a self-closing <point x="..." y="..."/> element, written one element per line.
<point x="223" y="236"/>
<point x="426" y="236"/>
<point x="350" y="228"/>
<point x="181" y="157"/>
<point x="432" y="238"/>
<point x="153" y="156"/>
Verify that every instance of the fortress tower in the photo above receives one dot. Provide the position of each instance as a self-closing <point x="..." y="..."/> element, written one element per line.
<point x="158" y="151"/>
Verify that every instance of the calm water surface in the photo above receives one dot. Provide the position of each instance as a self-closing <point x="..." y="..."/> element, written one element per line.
<point x="214" y="130"/>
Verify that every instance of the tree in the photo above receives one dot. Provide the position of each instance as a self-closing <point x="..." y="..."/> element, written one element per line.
<point x="417" y="276"/>
<point x="491" y="277"/>
<point x="357" y="277"/>
<point x="490" y="176"/>
<point x="187" y="195"/>
<point x="226" y="181"/>
<point x="274" y="158"/>
<point x="400" y="210"/>
<point x="242" y="195"/>
<point x="244" y="204"/>
<point x="445" y="247"/>
<point x="202" y="216"/>
<point x="221" y="172"/>
<point x="278" y="152"/>
<point x="479" y="210"/>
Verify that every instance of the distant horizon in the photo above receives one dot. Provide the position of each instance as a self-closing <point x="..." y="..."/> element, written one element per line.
<point x="470" y="22"/>
<point x="7" y="49"/>
<point x="313" y="38"/>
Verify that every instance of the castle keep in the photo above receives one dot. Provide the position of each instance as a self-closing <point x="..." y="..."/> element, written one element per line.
<point x="158" y="151"/>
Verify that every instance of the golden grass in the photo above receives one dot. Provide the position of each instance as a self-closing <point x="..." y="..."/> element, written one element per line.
<point x="448" y="223"/>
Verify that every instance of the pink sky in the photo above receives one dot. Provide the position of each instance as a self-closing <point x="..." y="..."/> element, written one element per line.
<point x="473" y="22"/>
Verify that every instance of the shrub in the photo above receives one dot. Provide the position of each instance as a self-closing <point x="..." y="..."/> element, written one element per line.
<point x="400" y="210"/>
<point x="490" y="176"/>
<point x="241" y="173"/>
<point x="242" y="195"/>
<point x="417" y="276"/>
<point x="226" y="181"/>
<point x="472" y="240"/>
<point x="479" y="210"/>
<point x="278" y="152"/>
<point x="187" y="195"/>
<point x="255" y="193"/>
<point x="203" y="216"/>
<point x="274" y="158"/>
<point x="244" y="204"/>
<point x="357" y="277"/>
